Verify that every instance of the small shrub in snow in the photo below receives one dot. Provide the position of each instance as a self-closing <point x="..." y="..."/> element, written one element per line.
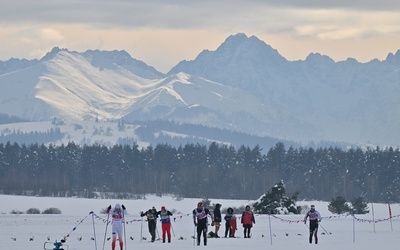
<point x="51" y="210"/>
<point x="33" y="211"/>
<point x="15" y="211"/>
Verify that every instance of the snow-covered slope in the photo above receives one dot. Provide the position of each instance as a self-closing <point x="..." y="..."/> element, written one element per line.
<point x="65" y="84"/>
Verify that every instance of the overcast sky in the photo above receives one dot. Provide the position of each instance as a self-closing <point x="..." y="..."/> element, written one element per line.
<point x="163" y="32"/>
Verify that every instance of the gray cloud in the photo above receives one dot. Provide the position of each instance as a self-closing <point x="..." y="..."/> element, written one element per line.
<point x="166" y="13"/>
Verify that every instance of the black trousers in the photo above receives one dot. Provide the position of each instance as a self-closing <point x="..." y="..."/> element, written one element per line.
<point x="227" y="229"/>
<point x="152" y="229"/>
<point x="246" y="230"/>
<point x="202" y="229"/>
<point x="313" y="231"/>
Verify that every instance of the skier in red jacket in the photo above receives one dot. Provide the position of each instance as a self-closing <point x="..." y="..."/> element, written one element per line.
<point x="247" y="221"/>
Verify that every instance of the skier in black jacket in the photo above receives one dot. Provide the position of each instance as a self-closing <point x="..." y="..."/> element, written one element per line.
<point x="200" y="214"/>
<point x="314" y="216"/>
<point x="152" y="216"/>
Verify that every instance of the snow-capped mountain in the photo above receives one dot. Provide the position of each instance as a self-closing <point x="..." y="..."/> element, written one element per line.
<point x="344" y="100"/>
<point x="245" y="85"/>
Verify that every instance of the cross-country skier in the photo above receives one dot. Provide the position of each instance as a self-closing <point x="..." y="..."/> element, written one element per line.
<point x="200" y="220"/>
<point x="165" y="223"/>
<point x="314" y="216"/>
<point x="152" y="216"/>
<point x="117" y="215"/>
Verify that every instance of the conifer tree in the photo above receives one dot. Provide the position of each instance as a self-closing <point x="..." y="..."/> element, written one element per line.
<point x="359" y="206"/>
<point x="339" y="205"/>
<point x="275" y="201"/>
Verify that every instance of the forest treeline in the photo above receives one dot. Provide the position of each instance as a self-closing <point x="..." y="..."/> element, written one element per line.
<point x="194" y="170"/>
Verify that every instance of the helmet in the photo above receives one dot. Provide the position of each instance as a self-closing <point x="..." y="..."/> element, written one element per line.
<point x="117" y="206"/>
<point x="163" y="208"/>
<point x="200" y="204"/>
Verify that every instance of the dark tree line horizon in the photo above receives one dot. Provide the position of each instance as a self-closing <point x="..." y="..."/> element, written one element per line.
<point x="194" y="170"/>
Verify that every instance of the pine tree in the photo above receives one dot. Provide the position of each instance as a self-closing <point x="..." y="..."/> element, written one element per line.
<point x="359" y="206"/>
<point x="339" y="205"/>
<point x="275" y="201"/>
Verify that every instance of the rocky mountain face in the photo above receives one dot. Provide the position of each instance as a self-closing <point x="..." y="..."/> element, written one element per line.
<point x="244" y="85"/>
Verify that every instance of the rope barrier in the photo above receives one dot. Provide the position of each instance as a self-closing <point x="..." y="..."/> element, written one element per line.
<point x="174" y="218"/>
<point x="80" y="222"/>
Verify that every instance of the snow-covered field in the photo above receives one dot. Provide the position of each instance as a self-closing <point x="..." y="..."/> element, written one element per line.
<point x="86" y="230"/>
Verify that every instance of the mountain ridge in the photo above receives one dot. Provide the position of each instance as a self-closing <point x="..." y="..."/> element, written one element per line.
<point x="244" y="85"/>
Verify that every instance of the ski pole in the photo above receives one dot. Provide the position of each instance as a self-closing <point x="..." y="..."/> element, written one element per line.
<point x="324" y="229"/>
<point x="158" y="234"/>
<point x="141" y="230"/>
<point x="173" y="232"/>
<point x="194" y="235"/>
<point x="105" y="233"/>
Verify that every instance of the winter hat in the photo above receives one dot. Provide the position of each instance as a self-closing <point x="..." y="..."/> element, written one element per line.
<point x="200" y="204"/>
<point x="312" y="206"/>
<point x="162" y="208"/>
<point x="247" y="208"/>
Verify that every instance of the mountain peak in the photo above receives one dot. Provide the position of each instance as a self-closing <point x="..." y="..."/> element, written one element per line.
<point x="243" y="43"/>
<point x="318" y="58"/>
<point x="393" y="58"/>
<point x="52" y="53"/>
<point x="238" y="38"/>
<point x="237" y="52"/>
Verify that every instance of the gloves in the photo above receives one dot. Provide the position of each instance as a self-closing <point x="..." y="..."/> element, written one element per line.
<point x="123" y="207"/>
<point x="212" y="223"/>
<point x="195" y="223"/>
<point x="319" y="220"/>
<point x="109" y="208"/>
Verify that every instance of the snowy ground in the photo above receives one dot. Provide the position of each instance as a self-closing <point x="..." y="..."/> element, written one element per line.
<point x="281" y="232"/>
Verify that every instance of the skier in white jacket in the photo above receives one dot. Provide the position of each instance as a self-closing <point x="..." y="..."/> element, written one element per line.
<point x="117" y="214"/>
<point x="314" y="216"/>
